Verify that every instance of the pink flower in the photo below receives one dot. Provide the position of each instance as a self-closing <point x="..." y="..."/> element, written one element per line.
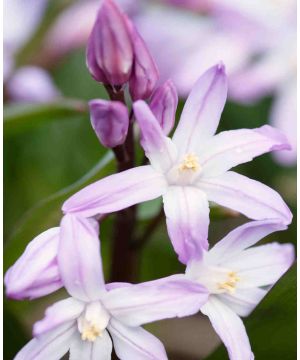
<point x="191" y="169"/>
<point x="96" y="315"/>
<point x="238" y="277"/>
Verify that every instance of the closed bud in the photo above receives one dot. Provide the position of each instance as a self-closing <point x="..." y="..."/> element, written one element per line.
<point x="163" y="105"/>
<point x="36" y="272"/>
<point x="145" y="72"/>
<point x="109" y="50"/>
<point x="110" y="121"/>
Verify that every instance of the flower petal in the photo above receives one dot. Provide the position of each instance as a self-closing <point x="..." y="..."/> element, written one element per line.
<point x="243" y="301"/>
<point x="100" y="349"/>
<point x="36" y="272"/>
<point x="158" y="147"/>
<point x="59" y="313"/>
<point x="241" y="238"/>
<point x="202" y="111"/>
<point x="230" y="148"/>
<point x="187" y="213"/>
<point x="262" y="265"/>
<point x="51" y="346"/>
<point x="79" y="258"/>
<point x="260" y="79"/>
<point x="251" y="198"/>
<point x="135" y="343"/>
<point x="284" y="116"/>
<point x="117" y="192"/>
<point x="163" y="104"/>
<point x="165" y="298"/>
<point x="230" y="328"/>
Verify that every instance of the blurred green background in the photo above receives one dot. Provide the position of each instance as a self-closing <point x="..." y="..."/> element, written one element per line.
<point x="49" y="158"/>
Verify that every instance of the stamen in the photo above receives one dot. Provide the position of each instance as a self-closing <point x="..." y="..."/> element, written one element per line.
<point x="190" y="162"/>
<point x="90" y="332"/>
<point x="93" y="322"/>
<point x="230" y="284"/>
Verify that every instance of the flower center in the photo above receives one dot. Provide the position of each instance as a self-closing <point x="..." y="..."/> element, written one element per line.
<point x="93" y="322"/>
<point x="230" y="284"/>
<point x="189" y="163"/>
<point x="90" y="332"/>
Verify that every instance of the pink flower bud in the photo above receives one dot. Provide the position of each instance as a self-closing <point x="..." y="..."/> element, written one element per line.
<point x="163" y="105"/>
<point x="145" y="72"/>
<point x="110" y="121"/>
<point x="109" y="52"/>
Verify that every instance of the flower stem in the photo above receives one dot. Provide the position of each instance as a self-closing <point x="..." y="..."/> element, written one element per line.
<point x="124" y="257"/>
<point x="139" y="242"/>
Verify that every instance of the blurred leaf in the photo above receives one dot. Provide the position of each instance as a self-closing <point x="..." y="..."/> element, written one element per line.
<point x="47" y="213"/>
<point x="20" y="117"/>
<point x="272" y="326"/>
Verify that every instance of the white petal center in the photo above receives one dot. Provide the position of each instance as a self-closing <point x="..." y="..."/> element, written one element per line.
<point x="185" y="171"/>
<point x="93" y="322"/>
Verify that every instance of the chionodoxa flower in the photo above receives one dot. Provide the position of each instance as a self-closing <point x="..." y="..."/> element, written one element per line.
<point x="191" y="169"/>
<point x="95" y="314"/>
<point x="237" y="277"/>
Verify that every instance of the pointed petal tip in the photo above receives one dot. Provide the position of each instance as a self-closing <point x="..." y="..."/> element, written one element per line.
<point x="221" y="67"/>
<point x="278" y="136"/>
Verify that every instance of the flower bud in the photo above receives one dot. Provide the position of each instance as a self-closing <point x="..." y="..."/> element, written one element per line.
<point x="36" y="272"/>
<point x="110" y="121"/>
<point x="163" y="105"/>
<point x="109" y="51"/>
<point x="145" y="72"/>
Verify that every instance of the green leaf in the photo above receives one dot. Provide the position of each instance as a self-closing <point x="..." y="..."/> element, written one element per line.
<point x="272" y="326"/>
<point x="47" y="213"/>
<point x="20" y="117"/>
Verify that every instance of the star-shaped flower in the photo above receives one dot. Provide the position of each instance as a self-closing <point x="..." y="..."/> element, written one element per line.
<point x="191" y="169"/>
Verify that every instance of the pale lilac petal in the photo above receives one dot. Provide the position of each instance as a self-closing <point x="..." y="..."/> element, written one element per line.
<point x="21" y="20"/>
<point x="249" y="197"/>
<point x="284" y="116"/>
<point x="58" y="314"/>
<point x="202" y="111"/>
<point x="51" y="346"/>
<point x="163" y="105"/>
<point x="117" y="192"/>
<point x="100" y="349"/>
<point x="262" y="265"/>
<point x="187" y="214"/>
<point x="241" y="238"/>
<point x="36" y="272"/>
<point x="31" y="84"/>
<point x="230" y="329"/>
<point x="231" y="148"/>
<point x="260" y="79"/>
<point x="158" y="147"/>
<point x="155" y="300"/>
<point x="135" y="343"/>
<point x="79" y="258"/>
<point x="243" y="301"/>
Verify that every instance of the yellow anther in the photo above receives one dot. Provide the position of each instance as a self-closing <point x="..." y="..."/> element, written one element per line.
<point x="230" y="284"/>
<point x="190" y="162"/>
<point x="90" y="333"/>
